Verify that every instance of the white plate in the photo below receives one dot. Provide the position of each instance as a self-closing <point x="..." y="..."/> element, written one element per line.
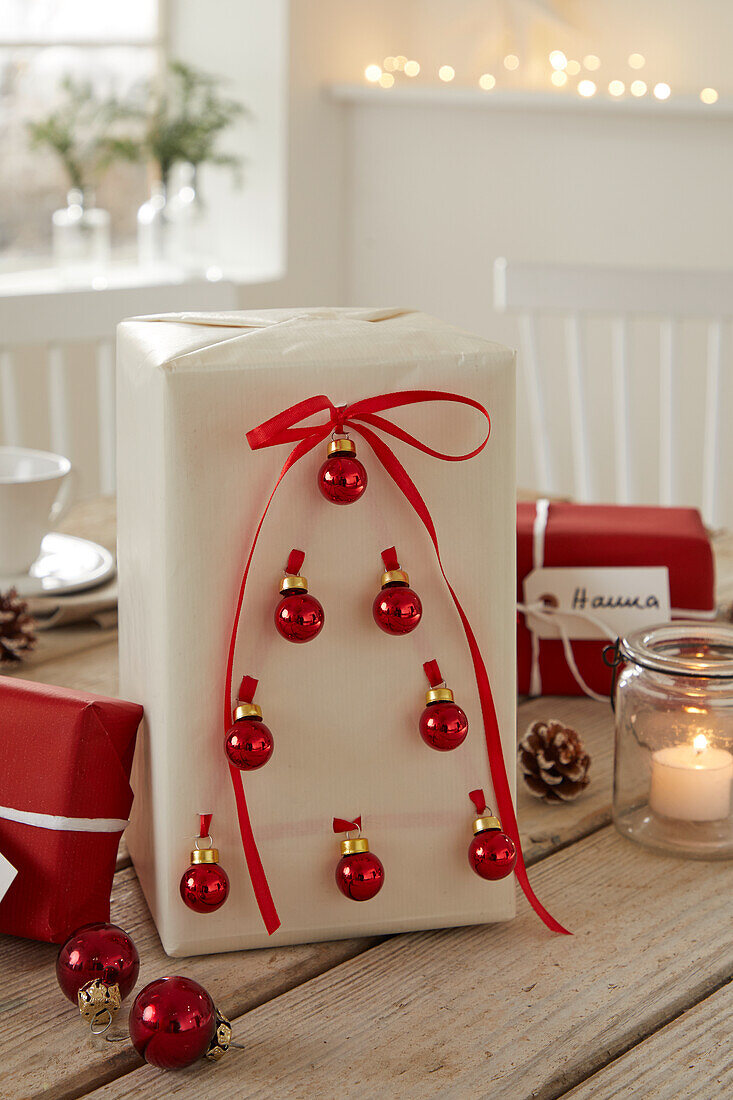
<point x="66" y="564"/>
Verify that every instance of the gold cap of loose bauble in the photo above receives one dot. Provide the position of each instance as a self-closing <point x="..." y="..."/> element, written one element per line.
<point x="293" y="584"/>
<point x="341" y="446"/>
<point x="351" y="847"/>
<point x="98" y="1002"/>
<point x="481" y="824"/>
<point x="394" y="576"/>
<point x="439" y="695"/>
<point x="205" y="855"/>
<point x="247" y="710"/>
<point x="221" y="1039"/>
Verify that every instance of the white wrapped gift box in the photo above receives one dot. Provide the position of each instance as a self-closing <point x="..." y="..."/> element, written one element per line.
<point x="344" y="708"/>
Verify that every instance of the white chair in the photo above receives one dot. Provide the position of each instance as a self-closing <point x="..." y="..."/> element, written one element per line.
<point x="52" y="321"/>
<point x="579" y="296"/>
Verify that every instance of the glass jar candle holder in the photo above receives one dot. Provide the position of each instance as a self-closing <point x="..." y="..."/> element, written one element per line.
<point x="673" y="770"/>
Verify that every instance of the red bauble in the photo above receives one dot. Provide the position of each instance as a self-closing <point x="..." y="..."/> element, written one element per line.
<point x="443" y="725"/>
<point x="299" y="616"/>
<point x="204" y="887"/>
<point x="97" y="952"/>
<point x="492" y="854"/>
<point x="172" y="1022"/>
<point x="397" y="609"/>
<point x="342" y="478"/>
<point x="359" y="876"/>
<point x="248" y="744"/>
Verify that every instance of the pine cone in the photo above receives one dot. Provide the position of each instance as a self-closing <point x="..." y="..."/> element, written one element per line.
<point x="16" y="628"/>
<point x="554" y="762"/>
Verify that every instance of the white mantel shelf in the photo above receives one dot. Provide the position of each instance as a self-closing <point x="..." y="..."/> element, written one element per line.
<point x="514" y="100"/>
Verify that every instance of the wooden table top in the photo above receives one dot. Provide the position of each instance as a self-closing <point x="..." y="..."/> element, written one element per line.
<point x="638" y="1002"/>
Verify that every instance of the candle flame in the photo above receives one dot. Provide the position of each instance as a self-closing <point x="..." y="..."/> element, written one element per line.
<point x="700" y="742"/>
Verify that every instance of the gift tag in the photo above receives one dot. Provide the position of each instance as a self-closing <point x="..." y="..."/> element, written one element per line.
<point x="7" y="874"/>
<point x="623" y="599"/>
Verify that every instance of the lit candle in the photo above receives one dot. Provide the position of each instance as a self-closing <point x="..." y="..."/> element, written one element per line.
<point x="692" y="782"/>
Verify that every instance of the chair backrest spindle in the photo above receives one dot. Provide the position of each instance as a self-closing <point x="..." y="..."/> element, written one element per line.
<point x="581" y="297"/>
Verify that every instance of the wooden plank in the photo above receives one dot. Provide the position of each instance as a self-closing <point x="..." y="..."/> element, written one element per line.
<point x="690" y="1057"/>
<point x="67" y="1061"/>
<point x="505" y="1011"/>
<point x="43" y="1046"/>
<point x="94" y="668"/>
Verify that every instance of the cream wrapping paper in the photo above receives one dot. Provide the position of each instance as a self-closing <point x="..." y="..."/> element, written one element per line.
<point x="344" y="708"/>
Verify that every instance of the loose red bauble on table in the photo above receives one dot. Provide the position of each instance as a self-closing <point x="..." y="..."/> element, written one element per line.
<point x="443" y="724"/>
<point x="173" y="1023"/>
<point x="342" y="478"/>
<point x="97" y="952"/>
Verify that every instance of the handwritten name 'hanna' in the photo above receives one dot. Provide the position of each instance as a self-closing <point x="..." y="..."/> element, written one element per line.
<point x="581" y="601"/>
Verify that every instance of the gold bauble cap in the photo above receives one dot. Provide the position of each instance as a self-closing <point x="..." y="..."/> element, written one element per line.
<point x="341" y="446"/>
<point x="394" y="576"/>
<point x="205" y="855"/>
<point x="481" y="824"/>
<point x="439" y="695"/>
<point x="98" y="1003"/>
<point x="351" y="847"/>
<point x="222" y="1038"/>
<point x="293" y="584"/>
<point x="247" y="710"/>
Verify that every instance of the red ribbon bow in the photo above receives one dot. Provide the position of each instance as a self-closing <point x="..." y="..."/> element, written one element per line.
<point x="362" y="417"/>
<point x="343" y="825"/>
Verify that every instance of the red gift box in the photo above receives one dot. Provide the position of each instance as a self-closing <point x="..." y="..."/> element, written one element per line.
<point x="65" y="797"/>
<point x="604" y="536"/>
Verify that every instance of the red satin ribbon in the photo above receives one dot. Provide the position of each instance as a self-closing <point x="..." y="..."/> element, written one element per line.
<point x="205" y="824"/>
<point x="295" y="562"/>
<point x="341" y="825"/>
<point x="247" y="689"/>
<point x="433" y="673"/>
<point x="362" y="417"/>
<point x="479" y="800"/>
<point x="389" y="557"/>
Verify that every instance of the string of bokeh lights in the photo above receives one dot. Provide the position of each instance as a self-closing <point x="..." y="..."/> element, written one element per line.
<point x="561" y="70"/>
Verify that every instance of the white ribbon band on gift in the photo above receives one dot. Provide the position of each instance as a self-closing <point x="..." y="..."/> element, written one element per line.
<point x="557" y="616"/>
<point x="64" y="824"/>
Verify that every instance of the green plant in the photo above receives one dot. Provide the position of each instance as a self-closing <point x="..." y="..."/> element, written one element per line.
<point x="187" y="118"/>
<point x="80" y="132"/>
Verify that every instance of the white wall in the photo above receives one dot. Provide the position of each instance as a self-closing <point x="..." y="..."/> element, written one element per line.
<point x="423" y="198"/>
<point x="436" y="194"/>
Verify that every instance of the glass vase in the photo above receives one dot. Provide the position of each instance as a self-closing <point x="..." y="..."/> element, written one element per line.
<point x="81" y="234"/>
<point x="190" y="236"/>
<point x="153" y="228"/>
<point x="673" y="768"/>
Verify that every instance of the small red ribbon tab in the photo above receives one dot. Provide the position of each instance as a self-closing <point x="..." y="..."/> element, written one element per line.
<point x="389" y="557"/>
<point x="341" y="825"/>
<point x="479" y="800"/>
<point x="205" y="824"/>
<point x="247" y="689"/>
<point x="295" y="562"/>
<point x="433" y="673"/>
